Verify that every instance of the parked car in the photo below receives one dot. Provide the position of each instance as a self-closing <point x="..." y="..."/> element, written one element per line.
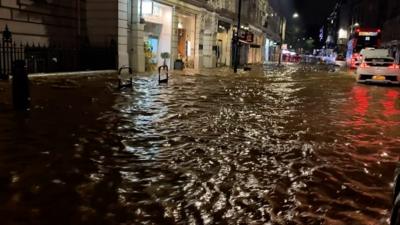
<point x="377" y="66"/>
<point x="340" y="61"/>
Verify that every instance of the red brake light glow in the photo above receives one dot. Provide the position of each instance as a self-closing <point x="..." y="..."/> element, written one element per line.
<point x="394" y="66"/>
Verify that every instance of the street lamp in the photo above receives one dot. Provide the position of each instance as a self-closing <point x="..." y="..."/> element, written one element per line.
<point x="236" y="40"/>
<point x="295" y="15"/>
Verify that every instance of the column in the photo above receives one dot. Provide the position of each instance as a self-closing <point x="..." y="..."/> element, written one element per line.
<point x="123" y="33"/>
<point x="198" y="57"/>
<point x="174" y="39"/>
<point x="136" y="39"/>
<point x="209" y="40"/>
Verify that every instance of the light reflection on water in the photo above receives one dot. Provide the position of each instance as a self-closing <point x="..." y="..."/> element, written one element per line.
<point x="282" y="146"/>
<point x="282" y="149"/>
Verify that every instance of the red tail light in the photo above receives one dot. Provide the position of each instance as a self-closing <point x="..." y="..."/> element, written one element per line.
<point x="394" y="66"/>
<point x="364" y="65"/>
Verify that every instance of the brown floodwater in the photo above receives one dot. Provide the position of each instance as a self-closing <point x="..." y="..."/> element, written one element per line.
<point x="293" y="145"/>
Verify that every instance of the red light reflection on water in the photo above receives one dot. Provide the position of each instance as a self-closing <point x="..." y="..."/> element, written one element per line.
<point x="373" y="107"/>
<point x="361" y="99"/>
<point x="389" y="103"/>
<point x="361" y="102"/>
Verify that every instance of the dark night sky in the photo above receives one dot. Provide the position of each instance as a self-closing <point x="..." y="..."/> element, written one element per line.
<point x="313" y="13"/>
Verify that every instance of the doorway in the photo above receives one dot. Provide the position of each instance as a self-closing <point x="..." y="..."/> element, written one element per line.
<point x="153" y="42"/>
<point x="186" y="39"/>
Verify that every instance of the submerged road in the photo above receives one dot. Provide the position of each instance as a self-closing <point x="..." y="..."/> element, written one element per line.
<point x="292" y="145"/>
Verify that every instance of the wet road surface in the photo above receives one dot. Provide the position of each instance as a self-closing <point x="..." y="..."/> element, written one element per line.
<point x="291" y="145"/>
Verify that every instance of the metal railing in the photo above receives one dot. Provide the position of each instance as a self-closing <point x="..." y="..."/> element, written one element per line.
<point x="47" y="59"/>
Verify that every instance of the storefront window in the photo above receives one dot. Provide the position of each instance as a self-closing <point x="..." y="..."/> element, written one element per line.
<point x="150" y="8"/>
<point x="147" y="7"/>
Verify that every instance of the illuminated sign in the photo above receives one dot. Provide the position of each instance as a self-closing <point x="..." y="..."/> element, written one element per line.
<point x="249" y="37"/>
<point x="366" y="33"/>
<point x="246" y="36"/>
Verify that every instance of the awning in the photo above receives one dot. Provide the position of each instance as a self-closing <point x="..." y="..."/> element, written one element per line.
<point x="256" y="30"/>
<point x="224" y="24"/>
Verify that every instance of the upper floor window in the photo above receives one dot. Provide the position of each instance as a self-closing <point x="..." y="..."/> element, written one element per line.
<point x="150" y="8"/>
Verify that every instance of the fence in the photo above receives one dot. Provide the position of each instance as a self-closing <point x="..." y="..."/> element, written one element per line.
<point x="47" y="59"/>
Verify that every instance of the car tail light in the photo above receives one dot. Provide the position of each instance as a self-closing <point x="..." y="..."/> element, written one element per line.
<point x="394" y="66"/>
<point x="364" y="65"/>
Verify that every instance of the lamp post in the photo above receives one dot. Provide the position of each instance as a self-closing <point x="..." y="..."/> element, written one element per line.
<point x="236" y="40"/>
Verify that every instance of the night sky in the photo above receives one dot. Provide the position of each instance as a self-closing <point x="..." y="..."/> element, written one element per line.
<point x="313" y="13"/>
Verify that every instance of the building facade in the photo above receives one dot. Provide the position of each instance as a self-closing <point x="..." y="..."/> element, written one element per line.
<point x="198" y="33"/>
<point x="195" y="33"/>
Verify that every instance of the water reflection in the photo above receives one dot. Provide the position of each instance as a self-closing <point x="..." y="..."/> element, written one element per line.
<point x="252" y="149"/>
<point x="287" y="145"/>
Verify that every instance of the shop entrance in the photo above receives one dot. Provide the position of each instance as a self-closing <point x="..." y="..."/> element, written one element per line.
<point x="153" y="42"/>
<point x="157" y="33"/>
<point x="224" y="43"/>
<point x="186" y="39"/>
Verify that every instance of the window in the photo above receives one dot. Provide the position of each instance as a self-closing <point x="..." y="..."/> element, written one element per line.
<point x="150" y="8"/>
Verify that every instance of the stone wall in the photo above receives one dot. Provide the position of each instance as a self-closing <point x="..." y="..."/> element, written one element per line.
<point x="102" y="21"/>
<point x="43" y="22"/>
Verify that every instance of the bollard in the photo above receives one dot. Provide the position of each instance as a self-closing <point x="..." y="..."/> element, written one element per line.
<point x="20" y="86"/>
<point x="164" y="69"/>
<point x="125" y="80"/>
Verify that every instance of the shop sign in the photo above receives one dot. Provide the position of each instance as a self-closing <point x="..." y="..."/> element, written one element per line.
<point x="246" y="36"/>
<point x="366" y="33"/>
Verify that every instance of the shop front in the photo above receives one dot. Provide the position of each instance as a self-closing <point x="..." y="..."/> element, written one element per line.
<point x="271" y="50"/>
<point x="224" y="41"/>
<point x="157" y="33"/>
<point x="186" y="38"/>
<point x="255" y="54"/>
<point x="246" y="40"/>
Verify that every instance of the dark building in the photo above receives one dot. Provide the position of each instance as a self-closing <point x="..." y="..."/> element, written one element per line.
<point x="379" y="14"/>
<point x="391" y="28"/>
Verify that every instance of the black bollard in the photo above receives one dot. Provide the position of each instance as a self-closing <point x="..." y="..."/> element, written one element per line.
<point x="20" y="86"/>
<point x="163" y="69"/>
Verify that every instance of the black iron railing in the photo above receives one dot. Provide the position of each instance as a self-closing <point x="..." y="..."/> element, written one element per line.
<point x="47" y="59"/>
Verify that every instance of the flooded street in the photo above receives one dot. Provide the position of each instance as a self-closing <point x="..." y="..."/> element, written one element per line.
<point x="292" y="145"/>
